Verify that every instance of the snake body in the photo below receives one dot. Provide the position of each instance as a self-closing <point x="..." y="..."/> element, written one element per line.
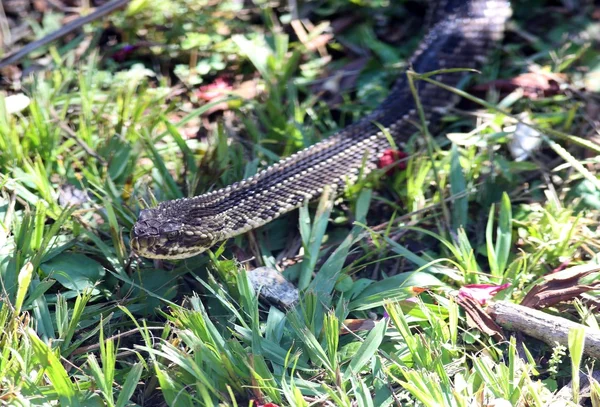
<point x="461" y="35"/>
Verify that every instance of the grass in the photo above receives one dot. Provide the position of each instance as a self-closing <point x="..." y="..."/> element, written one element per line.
<point x="378" y="267"/>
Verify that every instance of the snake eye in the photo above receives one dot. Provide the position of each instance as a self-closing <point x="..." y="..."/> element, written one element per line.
<point x="172" y="235"/>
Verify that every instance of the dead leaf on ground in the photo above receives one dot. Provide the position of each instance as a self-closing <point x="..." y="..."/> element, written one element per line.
<point x="534" y="84"/>
<point x="478" y="318"/>
<point x="561" y="286"/>
<point x="222" y="87"/>
<point x="218" y="88"/>
<point x="355" y="325"/>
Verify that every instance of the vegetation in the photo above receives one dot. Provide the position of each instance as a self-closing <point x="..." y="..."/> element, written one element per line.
<point x="180" y="97"/>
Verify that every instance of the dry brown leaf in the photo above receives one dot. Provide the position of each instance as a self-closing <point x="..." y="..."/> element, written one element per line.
<point x="479" y="319"/>
<point x="534" y="84"/>
<point x="561" y="286"/>
<point x="355" y="325"/>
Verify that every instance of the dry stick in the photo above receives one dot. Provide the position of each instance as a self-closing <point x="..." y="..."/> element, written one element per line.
<point x="67" y="28"/>
<point x="537" y="324"/>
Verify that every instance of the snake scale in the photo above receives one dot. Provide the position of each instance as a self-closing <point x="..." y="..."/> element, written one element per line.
<point x="460" y="36"/>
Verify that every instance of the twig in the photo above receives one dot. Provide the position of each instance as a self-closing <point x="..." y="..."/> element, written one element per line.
<point x="537" y="324"/>
<point x="67" y="28"/>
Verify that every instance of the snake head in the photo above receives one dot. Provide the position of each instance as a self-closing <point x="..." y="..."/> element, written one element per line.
<point x="160" y="235"/>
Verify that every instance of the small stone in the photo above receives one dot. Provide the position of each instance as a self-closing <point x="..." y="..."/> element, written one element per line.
<point x="16" y="103"/>
<point x="273" y="287"/>
<point x="524" y="142"/>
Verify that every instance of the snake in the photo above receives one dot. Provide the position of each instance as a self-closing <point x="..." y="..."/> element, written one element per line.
<point x="460" y="37"/>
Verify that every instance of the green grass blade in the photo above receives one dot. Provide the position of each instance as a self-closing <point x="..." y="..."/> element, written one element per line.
<point x="24" y="281"/>
<point x="397" y="288"/>
<point x="312" y="242"/>
<point x="361" y="392"/>
<point x="100" y="379"/>
<point x="367" y="349"/>
<point x="58" y="376"/>
<point x="173" y="190"/>
<point x="576" y="343"/>
<point x="363" y="203"/>
<point x="458" y="187"/>
<point x="489" y="243"/>
<point x="504" y="234"/>
<point x="329" y="273"/>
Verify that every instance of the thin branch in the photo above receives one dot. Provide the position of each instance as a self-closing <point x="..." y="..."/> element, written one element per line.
<point x="66" y="29"/>
<point x="540" y="325"/>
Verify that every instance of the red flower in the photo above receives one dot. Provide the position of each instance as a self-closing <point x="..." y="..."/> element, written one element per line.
<point x="393" y="160"/>
<point x="481" y="292"/>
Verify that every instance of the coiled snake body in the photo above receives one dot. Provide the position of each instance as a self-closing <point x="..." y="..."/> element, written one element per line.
<point x="461" y="34"/>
